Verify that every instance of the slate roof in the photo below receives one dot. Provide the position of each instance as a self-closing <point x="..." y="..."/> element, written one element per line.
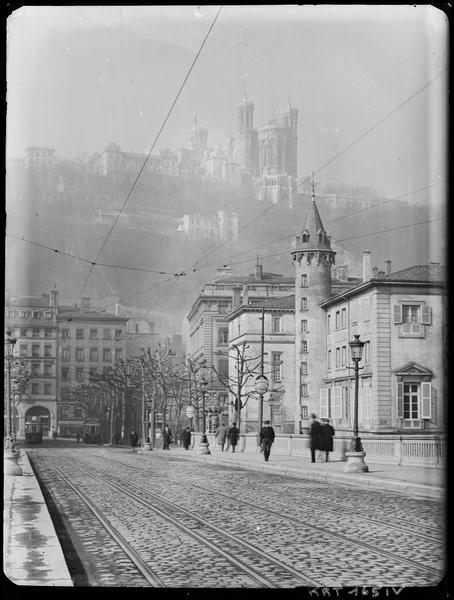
<point x="266" y="278"/>
<point x="30" y="302"/>
<point x="284" y="302"/>
<point x="420" y="273"/>
<point x="73" y="312"/>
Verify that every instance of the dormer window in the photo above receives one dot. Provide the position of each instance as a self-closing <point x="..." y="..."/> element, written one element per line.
<point x="320" y="235"/>
<point x="305" y="237"/>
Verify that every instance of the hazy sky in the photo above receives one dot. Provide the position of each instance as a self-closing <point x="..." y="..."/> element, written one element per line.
<point x="80" y="77"/>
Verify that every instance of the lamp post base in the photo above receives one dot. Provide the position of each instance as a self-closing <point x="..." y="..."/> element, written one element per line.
<point x="204" y="447"/>
<point x="355" y="463"/>
<point x="147" y="447"/>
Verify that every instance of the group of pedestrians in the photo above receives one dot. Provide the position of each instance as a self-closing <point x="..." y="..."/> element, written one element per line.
<point x="320" y="430"/>
<point x="227" y="436"/>
<point x="321" y="433"/>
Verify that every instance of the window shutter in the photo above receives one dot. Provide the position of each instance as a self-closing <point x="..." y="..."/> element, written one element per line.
<point x="336" y="408"/>
<point x="426" y="314"/>
<point x="426" y="397"/>
<point x="324" y="403"/>
<point x="400" y="399"/>
<point x="397" y="313"/>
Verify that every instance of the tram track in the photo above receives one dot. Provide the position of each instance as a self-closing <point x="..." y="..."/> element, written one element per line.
<point x="214" y="544"/>
<point x="430" y="534"/>
<point x="322" y="530"/>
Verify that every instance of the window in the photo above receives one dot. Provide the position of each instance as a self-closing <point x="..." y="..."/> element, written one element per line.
<point x="304" y="346"/>
<point x="118" y="353"/>
<point x="344" y="318"/>
<point x="23" y="350"/>
<point x="35" y="350"/>
<point x="366" y="353"/>
<point x="118" y="334"/>
<point x="93" y="372"/>
<point x="337" y="320"/>
<point x="80" y="355"/>
<point x="78" y="412"/>
<point x="65" y="333"/>
<point x="412" y="318"/>
<point x="223" y="369"/>
<point x="414" y="400"/>
<point x="65" y="373"/>
<point x="106" y="334"/>
<point x="303" y="326"/>
<point x="36" y="314"/>
<point x="93" y="334"/>
<point x="23" y="332"/>
<point x="79" y="374"/>
<point x="93" y="354"/>
<point x="275" y="324"/>
<point x="344" y="356"/>
<point x="65" y="354"/>
<point x="47" y="389"/>
<point x="47" y="351"/>
<point x="79" y="334"/>
<point x="35" y="369"/>
<point x="107" y="355"/>
<point x="48" y="333"/>
<point x="304" y="303"/>
<point x="329" y="360"/>
<point x="354" y="311"/>
<point x="11" y="314"/>
<point x="304" y="412"/>
<point x="223" y="335"/>
<point x="35" y="389"/>
<point x="48" y="314"/>
<point x="35" y="332"/>
<point x="328" y="323"/>
<point x="276" y="366"/>
<point x="304" y="389"/>
<point x="338" y="355"/>
<point x="304" y="280"/>
<point x="48" y="369"/>
<point x="24" y="314"/>
<point x="304" y="368"/>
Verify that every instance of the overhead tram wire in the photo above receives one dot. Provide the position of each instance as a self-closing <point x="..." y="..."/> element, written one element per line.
<point x="330" y="161"/>
<point x="150" y="151"/>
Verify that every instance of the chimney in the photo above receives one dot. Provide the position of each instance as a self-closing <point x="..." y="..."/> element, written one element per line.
<point x="245" y="295"/>
<point x="236" y="297"/>
<point x="53" y="297"/>
<point x="374" y="272"/>
<point x="342" y="273"/>
<point x="387" y="266"/>
<point x="258" y="271"/>
<point x="366" y="265"/>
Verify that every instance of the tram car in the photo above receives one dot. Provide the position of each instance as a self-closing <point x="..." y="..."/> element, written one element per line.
<point x="34" y="431"/>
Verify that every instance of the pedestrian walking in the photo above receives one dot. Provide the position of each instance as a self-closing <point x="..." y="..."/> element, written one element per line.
<point x="234" y="434"/>
<point x="227" y="438"/>
<point x="221" y="435"/>
<point x="186" y="438"/>
<point x="166" y="438"/>
<point x="314" y="432"/>
<point x="77" y="437"/>
<point x="134" y="440"/>
<point x="326" y="438"/>
<point x="267" y="436"/>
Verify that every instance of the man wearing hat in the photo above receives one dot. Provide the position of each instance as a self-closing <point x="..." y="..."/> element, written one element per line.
<point x="266" y="439"/>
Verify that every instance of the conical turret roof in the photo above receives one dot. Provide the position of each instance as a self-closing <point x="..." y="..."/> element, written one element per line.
<point x="313" y="236"/>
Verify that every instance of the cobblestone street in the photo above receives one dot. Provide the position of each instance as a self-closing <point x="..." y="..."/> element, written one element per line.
<point x="159" y="519"/>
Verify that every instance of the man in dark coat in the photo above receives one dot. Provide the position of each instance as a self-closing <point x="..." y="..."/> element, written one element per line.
<point x="326" y="438"/>
<point x="266" y="439"/>
<point x="186" y="437"/>
<point x="166" y="438"/>
<point x="314" y="432"/>
<point x="134" y="440"/>
<point x="234" y="434"/>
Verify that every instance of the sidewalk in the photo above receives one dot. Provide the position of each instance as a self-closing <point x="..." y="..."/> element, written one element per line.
<point x="32" y="554"/>
<point x="415" y="481"/>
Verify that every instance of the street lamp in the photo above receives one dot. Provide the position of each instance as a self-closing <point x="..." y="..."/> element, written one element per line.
<point x="261" y="387"/>
<point x="203" y="446"/>
<point x="355" y="458"/>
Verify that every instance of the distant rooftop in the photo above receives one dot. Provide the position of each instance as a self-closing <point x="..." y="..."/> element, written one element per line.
<point x="433" y="272"/>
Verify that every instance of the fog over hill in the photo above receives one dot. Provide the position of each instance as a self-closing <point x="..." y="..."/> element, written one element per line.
<point x="60" y="209"/>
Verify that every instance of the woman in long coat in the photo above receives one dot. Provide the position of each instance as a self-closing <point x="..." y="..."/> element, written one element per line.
<point x="326" y="438"/>
<point x="314" y="432"/>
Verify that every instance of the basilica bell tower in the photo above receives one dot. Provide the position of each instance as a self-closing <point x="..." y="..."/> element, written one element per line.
<point x="313" y="258"/>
